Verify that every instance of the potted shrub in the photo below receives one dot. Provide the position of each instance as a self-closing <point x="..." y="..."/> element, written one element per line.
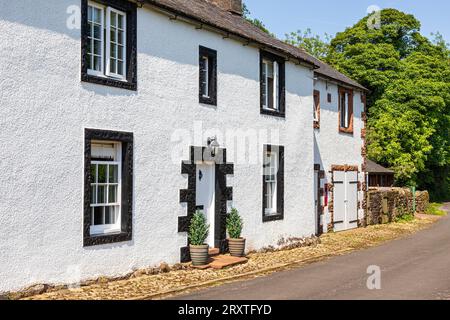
<point x="198" y="232"/>
<point x="236" y="244"/>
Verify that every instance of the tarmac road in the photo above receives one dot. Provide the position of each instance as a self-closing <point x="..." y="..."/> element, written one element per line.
<point x="416" y="267"/>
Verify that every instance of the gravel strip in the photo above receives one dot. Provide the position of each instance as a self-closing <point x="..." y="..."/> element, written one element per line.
<point x="157" y="286"/>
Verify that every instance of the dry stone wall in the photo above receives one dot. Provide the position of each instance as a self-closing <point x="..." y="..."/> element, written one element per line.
<point x="384" y="205"/>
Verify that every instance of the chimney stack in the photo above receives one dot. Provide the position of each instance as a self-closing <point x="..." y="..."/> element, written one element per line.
<point x="233" y="6"/>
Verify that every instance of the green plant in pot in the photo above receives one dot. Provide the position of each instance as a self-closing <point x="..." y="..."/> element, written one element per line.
<point x="236" y="243"/>
<point x="198" y="232"/>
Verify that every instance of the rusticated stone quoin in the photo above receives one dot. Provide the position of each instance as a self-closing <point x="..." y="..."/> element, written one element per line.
<point x="222" y="192"/>
<point x="364" y="151"/>
<point x="344" y="168"/>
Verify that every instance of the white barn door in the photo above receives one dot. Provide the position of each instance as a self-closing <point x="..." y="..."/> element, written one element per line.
<point x="345" y="200"/>
<point x="339" y="200"/>
<point x="352" y="199"/>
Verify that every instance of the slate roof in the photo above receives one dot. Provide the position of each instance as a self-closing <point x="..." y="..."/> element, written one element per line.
<point x="210" y="14"/>
<point x="329" y="72"/>
<point x="373" y="167"/>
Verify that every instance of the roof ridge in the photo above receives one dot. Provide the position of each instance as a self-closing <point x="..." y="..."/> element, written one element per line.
<point x="210" y="14"/>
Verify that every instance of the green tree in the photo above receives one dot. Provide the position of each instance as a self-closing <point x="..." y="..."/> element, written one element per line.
<point x="409" y="102"/>
<point x="438" y="39"/>
<point x="313" y="44"/>
<point x="409" y="125"/>
<point x="371" y="55"/>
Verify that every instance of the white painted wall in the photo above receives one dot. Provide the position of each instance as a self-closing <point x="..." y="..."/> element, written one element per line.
<point x="45" y="108"/>
<point x="332" y="147"/>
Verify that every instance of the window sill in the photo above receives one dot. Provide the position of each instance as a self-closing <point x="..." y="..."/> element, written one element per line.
<point x="273" y="113"/>
<point x="273" y="217"/>
<point x="106" y="232"/>
<point x="110" y="82"/>
<point x="101" y="239"/>
<point x="346" y="130"/>
<point x="208" y="100"/>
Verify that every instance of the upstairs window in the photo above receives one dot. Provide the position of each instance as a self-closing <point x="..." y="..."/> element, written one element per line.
<point x="272" y="77"/>
<point x="95" y="51"/>
<point x="271" y="85"/>
<point x="345" y="110"/>
<point x="109" y="43"/>
<point x="204" y="75"/>
<point x="207" y="76"/>
<point x="273" y="183"/>
<point x="316" y="109"/>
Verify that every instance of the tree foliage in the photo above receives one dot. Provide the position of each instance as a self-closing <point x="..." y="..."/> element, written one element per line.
<point x="408" y="76"/>
<point x="409" y="102"/>
<point x="311" y="43"/>
<point x="234" y="224"/>
<point x="198" y="230"/>
<point x="438" y="39"/>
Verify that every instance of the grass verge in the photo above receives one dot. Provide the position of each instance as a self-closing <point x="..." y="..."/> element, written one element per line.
<point x="434" y="209"/>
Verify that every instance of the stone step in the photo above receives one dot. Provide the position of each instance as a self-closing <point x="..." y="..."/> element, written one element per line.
<point x="214" y="252"/>
<point x="222" y="261"/>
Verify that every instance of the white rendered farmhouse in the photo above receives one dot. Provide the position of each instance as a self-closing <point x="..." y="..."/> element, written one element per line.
<point x="119" y="119"/>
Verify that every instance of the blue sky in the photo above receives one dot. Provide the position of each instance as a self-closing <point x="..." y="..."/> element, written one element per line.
<point x="331" y="16"/>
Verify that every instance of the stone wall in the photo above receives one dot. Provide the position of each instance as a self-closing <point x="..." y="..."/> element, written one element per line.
<point x="422" y="201"/>
<point x="384" y="205"/>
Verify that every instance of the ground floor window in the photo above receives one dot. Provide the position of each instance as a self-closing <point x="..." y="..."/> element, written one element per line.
<point x="270" y="179"/>
<point x="106" y="164"/>
<point x="273" y="183"/>
<point x="108" y="186"/>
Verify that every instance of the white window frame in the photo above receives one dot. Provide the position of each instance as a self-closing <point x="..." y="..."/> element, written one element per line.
<point x="266" y="83"/>
<point x="271" y="169"/>
<point x="316" y="108"/>
<point x="106" y="43"/>
<point x="347" y="98"/>
<point x="206" y="61"/>
<point x="344" y="108"/>
<point x="109" y="10"/>
<point x="316" y="113"/>
<point x="102" y="60"/>
<point x="276" y="85"/>
<point x="96" y="230"/>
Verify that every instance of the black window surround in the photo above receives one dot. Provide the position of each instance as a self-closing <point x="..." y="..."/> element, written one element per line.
<point x="126" y="139"/>
<point x="264" y="55"/>
<point x="222" y="195"/>
<point x="212" y="76"/>
<point x="131" y="45"/>
<point x="280" y="185"/>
